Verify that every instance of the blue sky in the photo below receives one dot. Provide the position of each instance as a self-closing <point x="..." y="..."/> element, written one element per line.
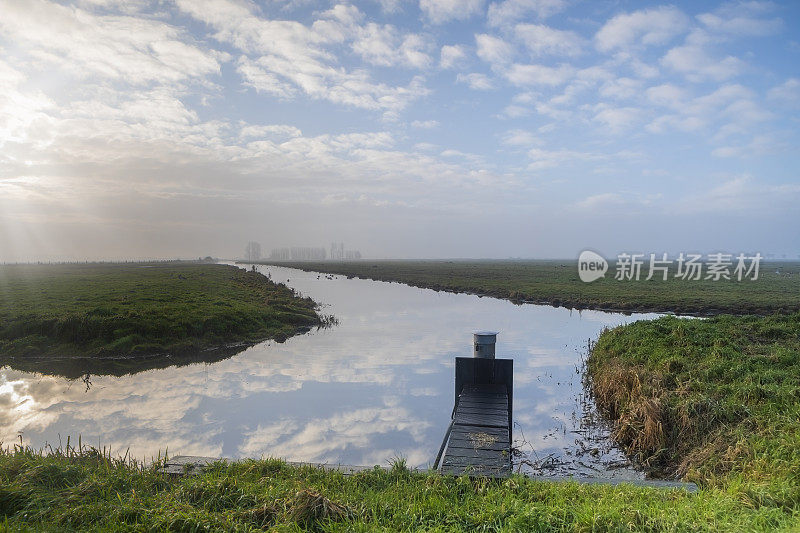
<point x="438" y="128"/>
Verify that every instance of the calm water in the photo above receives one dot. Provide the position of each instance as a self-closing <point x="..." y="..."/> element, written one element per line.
<point x="377" y="386"/>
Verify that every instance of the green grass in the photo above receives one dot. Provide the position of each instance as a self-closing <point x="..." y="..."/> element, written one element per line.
<point x="715" y="401"/>
<point x="557" y="283"/>
<point x="138" y="309"/>
<point x="89" y="491"/>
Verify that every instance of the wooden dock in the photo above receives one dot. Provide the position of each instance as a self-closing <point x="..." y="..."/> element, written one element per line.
<point x="480" y="439"/>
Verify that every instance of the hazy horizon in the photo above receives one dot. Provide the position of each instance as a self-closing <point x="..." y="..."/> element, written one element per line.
<point x="434" y="129"/>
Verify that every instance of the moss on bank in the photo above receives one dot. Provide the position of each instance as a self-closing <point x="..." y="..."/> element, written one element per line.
<point x="134" y="309"/>
<point x="714" y="401"/>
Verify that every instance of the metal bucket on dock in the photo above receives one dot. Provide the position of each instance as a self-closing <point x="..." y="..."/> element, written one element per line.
<point x="484" y="342"/>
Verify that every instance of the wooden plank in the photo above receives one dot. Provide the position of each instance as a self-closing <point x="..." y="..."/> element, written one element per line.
<point x="477" y="470"/>
<point x="501" y="403"/>
<point x="477" y="390"/>
<point x="472" y="453"/>
<point x="502" y="432"/>
<point x="490" y="462"/>
<point x="482" y="411"/>
<point x="499" y="421"/>
<point x="472" y="406"/>
<point x="491" y="404"/>
<point x="483" y="398"/>
<point x="485" y="388"/>
<point x="498" y="444"/>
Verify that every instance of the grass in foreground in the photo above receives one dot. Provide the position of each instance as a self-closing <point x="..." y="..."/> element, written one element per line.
<point x="557" y="283"/>
<point x="89" y="491"/>
<point x="137" y="309"/>
<point x="715" y="401"/>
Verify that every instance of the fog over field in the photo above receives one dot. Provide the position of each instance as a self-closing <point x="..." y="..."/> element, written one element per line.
<point x="443" y="128"/>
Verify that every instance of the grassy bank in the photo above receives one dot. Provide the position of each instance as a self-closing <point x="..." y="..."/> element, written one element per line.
<point x="557" y="283"/>
<point x="88" y="491"/>
<point x="97" y="310"/>
<point x="715" y="401"/>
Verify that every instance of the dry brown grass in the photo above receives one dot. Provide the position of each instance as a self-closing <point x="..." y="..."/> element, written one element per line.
<point x="635" y="404"/>
<point x="309" y="506"/>
<point x="261" y="516"/>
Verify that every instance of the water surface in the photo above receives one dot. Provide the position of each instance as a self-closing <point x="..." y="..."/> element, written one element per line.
<point x="377" y="386"/>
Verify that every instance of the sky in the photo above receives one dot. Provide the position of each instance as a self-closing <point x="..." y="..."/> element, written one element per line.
<point x="429" y="129"/>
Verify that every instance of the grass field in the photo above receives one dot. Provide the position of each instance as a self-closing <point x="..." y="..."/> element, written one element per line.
<point x="87" y="491"/>
<point x="138" y="309"/>
<point x="557" y="283"/>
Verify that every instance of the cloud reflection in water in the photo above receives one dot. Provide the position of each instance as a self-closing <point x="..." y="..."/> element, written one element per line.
<point x="377" y="386"/>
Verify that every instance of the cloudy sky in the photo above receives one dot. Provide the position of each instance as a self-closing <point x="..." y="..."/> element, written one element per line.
<point x="438" y="128"/>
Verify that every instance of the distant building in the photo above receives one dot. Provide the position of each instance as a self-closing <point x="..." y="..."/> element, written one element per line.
<point x="310" y="253"/>
<point x="338" y="253"/>
<point x="337" y="250"/>
<point x="252" y="252"/>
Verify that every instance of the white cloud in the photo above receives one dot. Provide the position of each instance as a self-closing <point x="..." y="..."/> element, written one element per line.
<point x="723" y="96"/>
<point x="787" y="93"/>
<point x="425" y="124"/>
<point x="741" y="193"/>
<point x="759" y="145"/>
<point x="384" y="45"/>
<point x="667" y="94"/>
<point x="354" y="89"/>
<point x="617" y="119"/>
<point x="539" y="74"/>
<point x="742" y="19"/>
<point x="427" y="147"/>
<point x="134" y="50"/>
<point x="515" y="111"/>
<point x="509" y="11"/>
<point x="519" y="137"/>
<point x="391" y="6"/>
<point x="475" y="80"/>
<point x="493" y="50"/>
<point x="615" y="201"/>
<point x="542" y="158"/>
<point x="666" y="123"/>
<point x="20" y="109"/>
<point x="621" y="88"/>
<point x="452" y="55"/>
<point x="543" y="40"/>
<point x="284" y="58"/>
<point x="648" y="27"/>
<point x="264" y="81"/>
<point x="274" y="131"/>
<point x="732" y="104"/>
<point x="600" y="201"/>
<point x="441" y="11"/>
<point x="746" y="111"/>
<point x="694" y="61"/>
